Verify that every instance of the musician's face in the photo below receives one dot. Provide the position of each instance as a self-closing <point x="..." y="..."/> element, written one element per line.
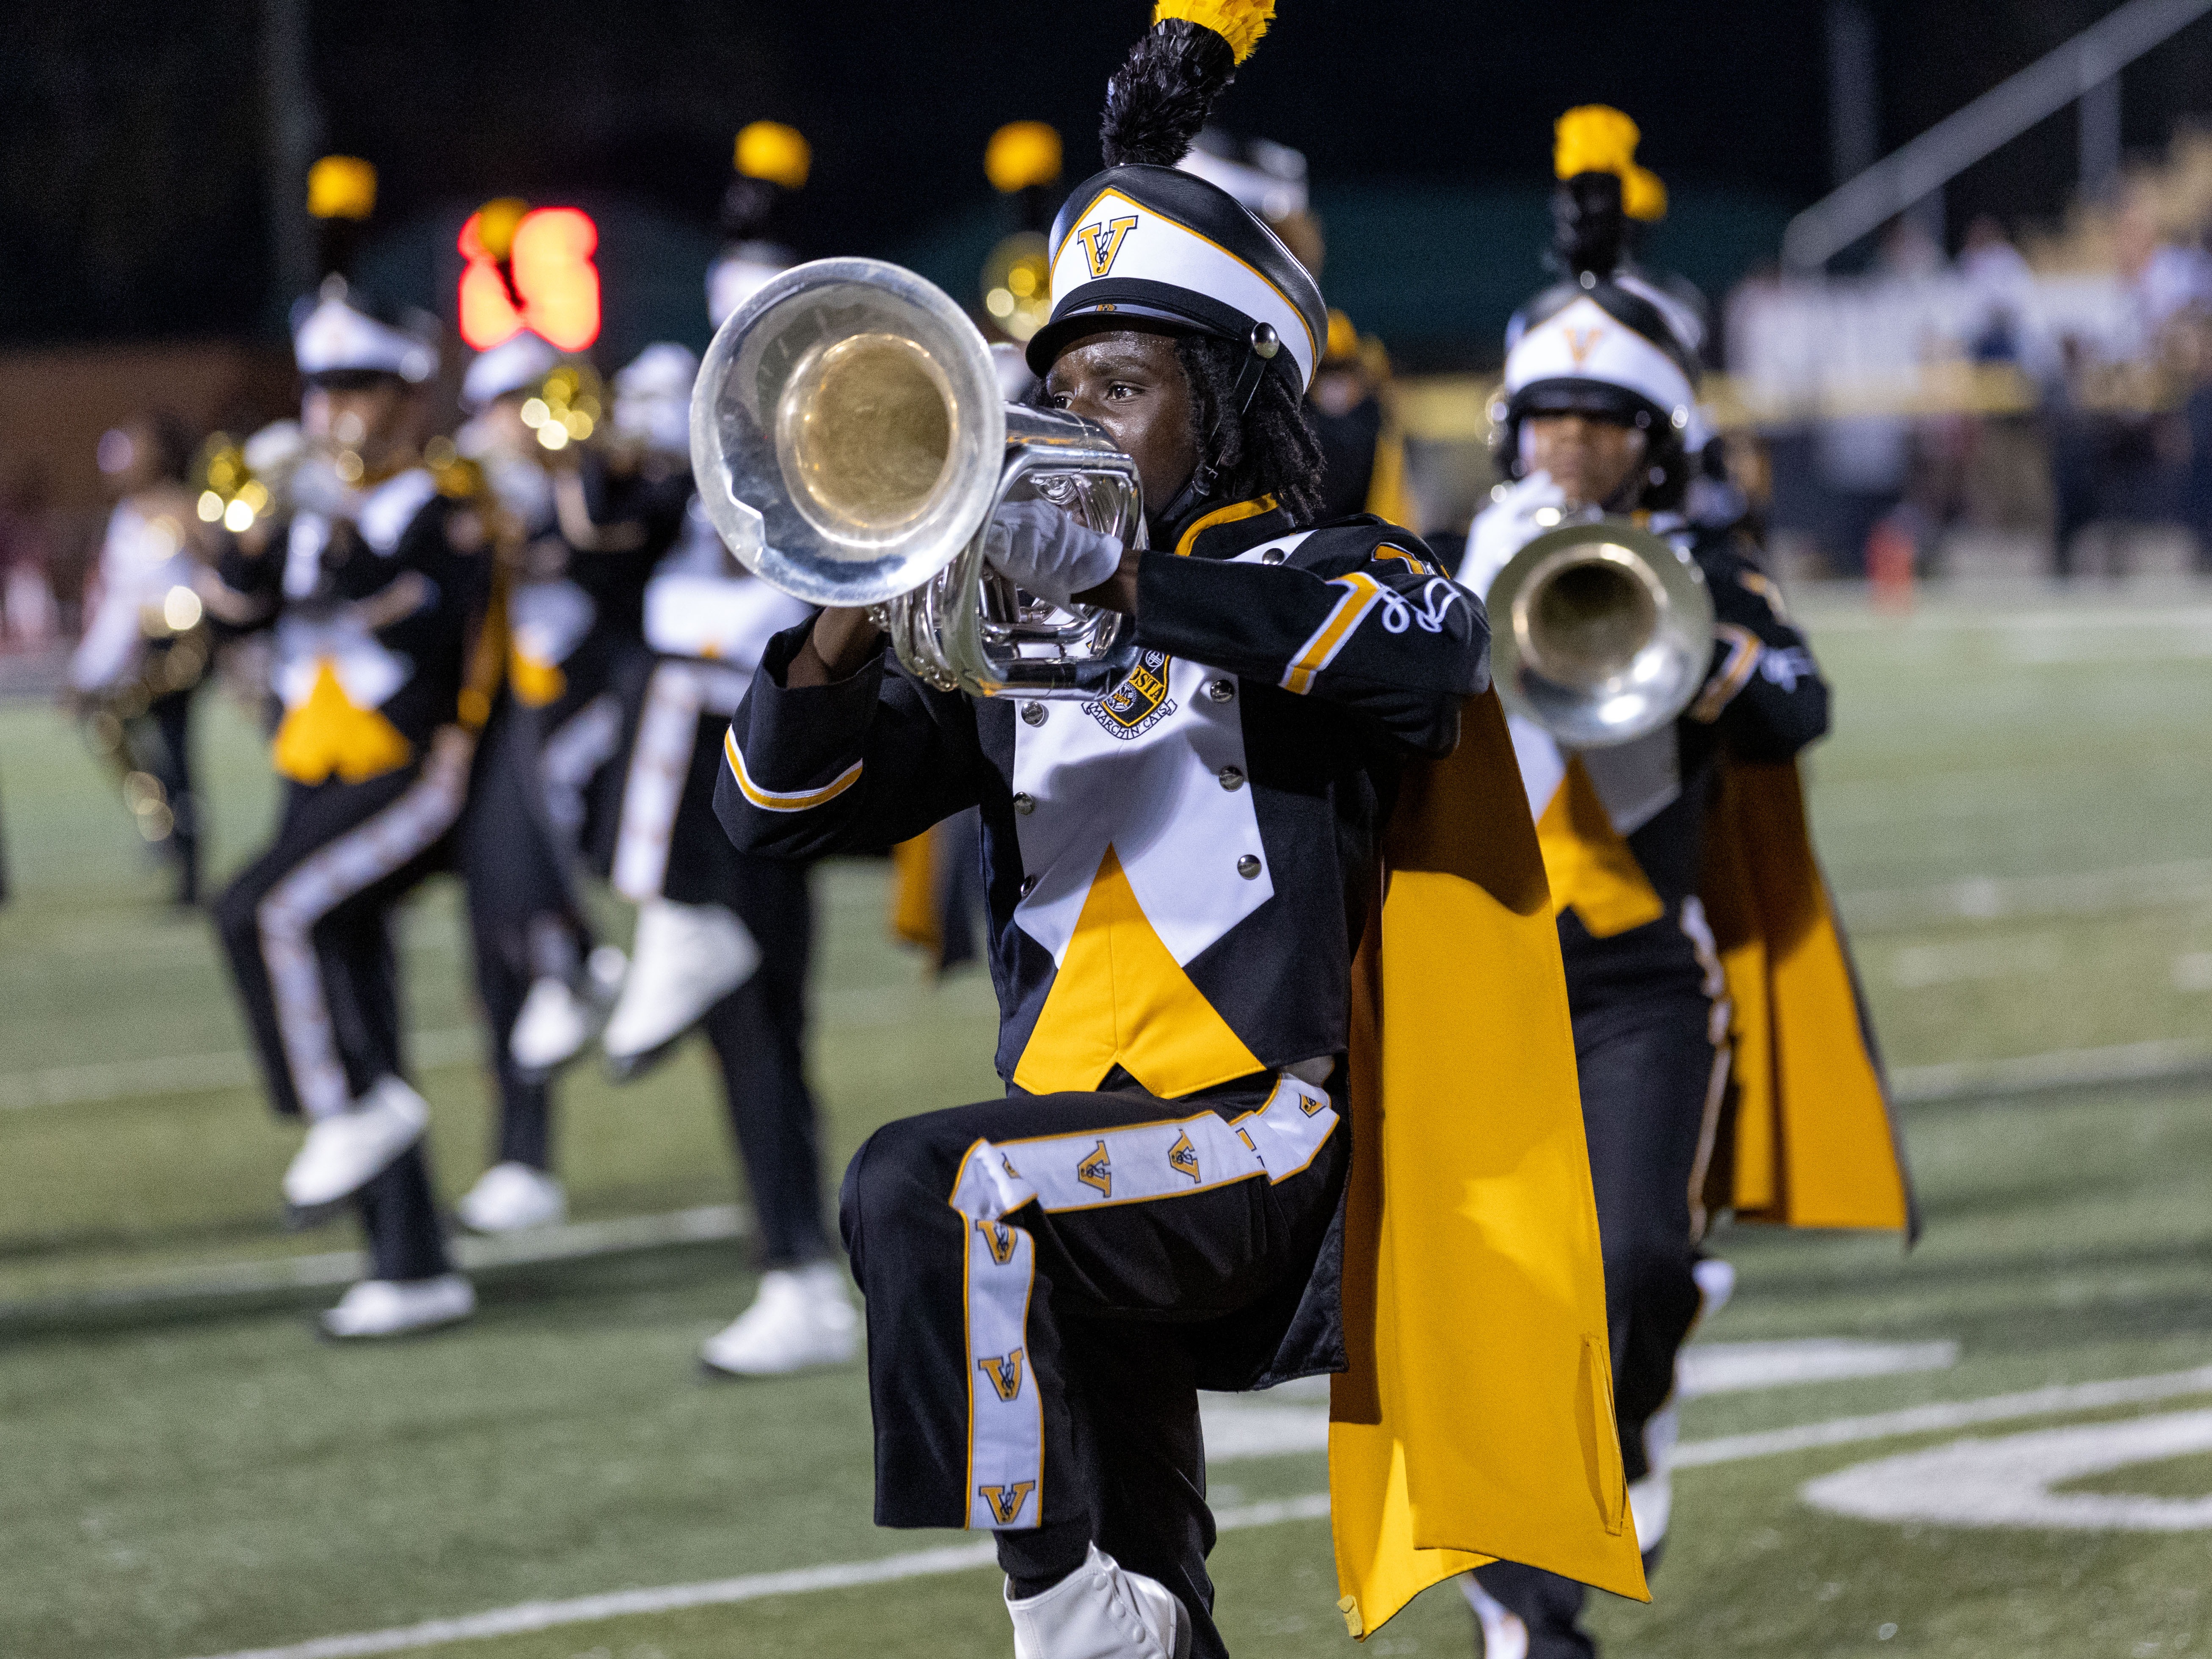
<point x="375" y="418"/>
<point x="1134" y="386"/>
<point x="1594" y="463"/>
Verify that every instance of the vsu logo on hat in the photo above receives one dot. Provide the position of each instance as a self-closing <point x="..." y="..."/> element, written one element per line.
<point x="1103" y="241"/>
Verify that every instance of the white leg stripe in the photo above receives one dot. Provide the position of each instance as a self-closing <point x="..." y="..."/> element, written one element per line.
<point x="364" y="855"/>
<point x="1006" y="1418"/>
<point x="659" y="761"/>
<point x="584" y="742"/>
<point x="1145" y="1160"/>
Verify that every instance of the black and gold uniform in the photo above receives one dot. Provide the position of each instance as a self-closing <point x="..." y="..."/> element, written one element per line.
<point x="376" y="589"/>
<point x="1630" y="834"/>
<point x="1177" y="878"/>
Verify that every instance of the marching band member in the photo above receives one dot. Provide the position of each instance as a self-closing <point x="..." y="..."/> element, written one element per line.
<point x="375" y="589"/>
<point x="1177" y="875"/>
<point x="546" y="762"/>
<point x="725" y="942"/>
<point x="144" y="651"/>
<point x="1599" y="389"/>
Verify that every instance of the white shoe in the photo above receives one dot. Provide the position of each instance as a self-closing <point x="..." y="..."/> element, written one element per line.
<point x="558" y="1018"/>
<point x="1716" y="1284"/>
<point x="388" y="1307"/>
<point x="1503" y="1634"/>
<point x="684" y="959"/>
<point x="509" y="1198"/>
<point x="1101" y="1611"/>
<point x="344" y="1153"/>
<point x="801" y="1319"/>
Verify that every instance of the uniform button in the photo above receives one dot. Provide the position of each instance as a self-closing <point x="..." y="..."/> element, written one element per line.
<point x="1249" y="867"/>
<point x="1273" y="555"/>
<point x="1028" y="886"/>
<point x="1219" y="690"/>
<point x="1025" y="804"/>
<point x="1033" y="714"/>
<point x="1231" y="777"/>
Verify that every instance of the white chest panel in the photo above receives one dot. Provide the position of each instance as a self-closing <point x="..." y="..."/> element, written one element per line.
<point x="366" y="670"/>
<point x="1156" y="795"/>
<point x="549" y="618"/>
<point x="1543" y="762"/>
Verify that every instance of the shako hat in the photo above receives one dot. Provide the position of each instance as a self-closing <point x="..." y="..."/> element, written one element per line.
<point x="341" y="331"/>
<point x="1144" y="241"/>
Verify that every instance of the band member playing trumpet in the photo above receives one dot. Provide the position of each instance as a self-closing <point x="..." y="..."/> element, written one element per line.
<point x="374" y="586"/>
<point x="1598" y="392"/>
<point x="1176" y="876"/>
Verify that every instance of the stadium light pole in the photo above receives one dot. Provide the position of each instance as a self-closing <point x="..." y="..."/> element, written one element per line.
<point x="292" y="129"/>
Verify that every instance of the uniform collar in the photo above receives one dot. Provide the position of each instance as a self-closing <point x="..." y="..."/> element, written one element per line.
<point x="1223" y="532"/>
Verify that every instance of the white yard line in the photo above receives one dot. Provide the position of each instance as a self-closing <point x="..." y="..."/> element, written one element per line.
<point x="964" y="1558"/>
<point x="2018" y="898"/>
<point x="2063" y="1068"/>
<point x="720" y="1592"/>
<point x="1948" y="1414"/>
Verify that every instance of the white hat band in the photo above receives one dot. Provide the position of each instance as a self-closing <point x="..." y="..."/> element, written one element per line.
<point x="1119" y="240"/>
<point x="1584" y="343"/>
<point x="337" y="338"/>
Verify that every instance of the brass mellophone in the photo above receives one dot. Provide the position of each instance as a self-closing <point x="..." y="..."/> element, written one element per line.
<point x="1600" y="632"/>
<point x="850" y="444"/>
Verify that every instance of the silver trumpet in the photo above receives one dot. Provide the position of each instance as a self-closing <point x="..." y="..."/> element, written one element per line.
<point x="850" y="444"/>
<point x="1600" y="632"/>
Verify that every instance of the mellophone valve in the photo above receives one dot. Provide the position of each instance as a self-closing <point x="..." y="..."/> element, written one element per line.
<point x="851" y="445"/>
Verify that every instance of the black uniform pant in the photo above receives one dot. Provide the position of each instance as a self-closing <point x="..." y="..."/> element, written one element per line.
<point x="758" y="1031"/>
<point x="1651" y="1075"/>
<point x="526" y="917"/>
<point x="163" y="748"/>
<point x="1044" y="1275"/>
<point x="307" y="928"/>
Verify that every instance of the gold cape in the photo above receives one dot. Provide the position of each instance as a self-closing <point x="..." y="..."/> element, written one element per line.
<point x="1476" y="1421"/>
<point x="1809" y="1139"/>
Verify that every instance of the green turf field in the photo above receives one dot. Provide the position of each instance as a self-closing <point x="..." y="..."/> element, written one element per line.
<point x="2017" y="813"/>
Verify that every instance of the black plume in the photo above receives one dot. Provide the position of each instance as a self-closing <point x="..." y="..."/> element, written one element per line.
<point x="1588" y="226"/>
<point x="1158" y="99"/>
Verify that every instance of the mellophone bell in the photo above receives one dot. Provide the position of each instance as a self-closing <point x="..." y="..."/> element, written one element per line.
<point x="851" y="448"/>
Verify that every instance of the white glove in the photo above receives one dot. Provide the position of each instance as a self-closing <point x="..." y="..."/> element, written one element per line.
<point x="1038" y="547"/>
<point x="1505" y="526"/>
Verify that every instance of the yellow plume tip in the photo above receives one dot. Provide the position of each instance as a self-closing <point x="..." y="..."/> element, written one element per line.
<point x="341" y="187"/>
<point x="1022" y="154"/>
<point x="772" y="151"/>
<point x="1240" y="23"/>
<point x="1643" y="196"/>
<point x="1594" y="138"/>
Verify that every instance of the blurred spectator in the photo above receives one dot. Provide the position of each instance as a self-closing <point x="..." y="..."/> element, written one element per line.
<point x="28" y="620"/>
<point x="2000" y="288"/>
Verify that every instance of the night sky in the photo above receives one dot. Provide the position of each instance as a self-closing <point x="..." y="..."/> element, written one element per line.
<point x="132" y="188"/>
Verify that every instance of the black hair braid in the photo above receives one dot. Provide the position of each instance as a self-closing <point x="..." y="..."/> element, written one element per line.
<point x="1271" y="449"/>
<point x="1158" y="99"/>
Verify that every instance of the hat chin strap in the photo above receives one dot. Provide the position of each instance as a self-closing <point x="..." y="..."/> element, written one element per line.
<point x="1261" y="347"/>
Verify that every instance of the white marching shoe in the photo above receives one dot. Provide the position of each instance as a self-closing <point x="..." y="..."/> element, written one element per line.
<point x="509" y="1198"/>
<point x="344" y="1152"/>
<point x="801" y="1319"/>
<point x="684" y="959"/>
<point x="389" y="1307"/>
<point x="1503" y="1635"/>
<point x="558" y="1018"/>
<point x="1101" y="1611"/>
